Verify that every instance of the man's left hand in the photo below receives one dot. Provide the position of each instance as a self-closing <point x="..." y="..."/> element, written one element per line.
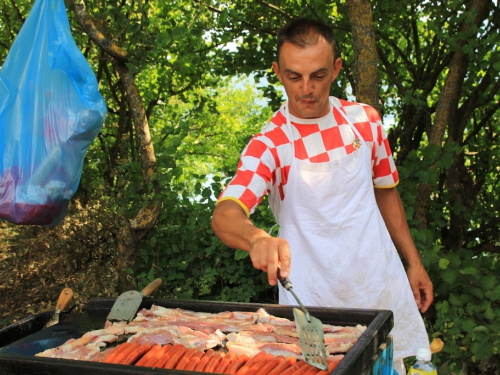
<point x="421" y="286"/>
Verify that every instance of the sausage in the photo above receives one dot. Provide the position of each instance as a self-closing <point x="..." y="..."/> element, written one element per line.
<point x="237" y="363"/>
<point x="208" y="354"/>
<point x="195" y="359"/>
<point x="269" y="366"/>
<point x="175" y="357"/>
<point x="158" y="355"/>
<point x="331" y="366"/>
<point x="185" y="359"/>
<point x="160" y="363"/>
<point x="252" y="361"/>
<point x="146" y="357"/>
<point x="135" y="354"/>
<point x="204" y="360"/>
<point x="212" y="363"/>
<point x="112" y="355"/>
<point x="306" y="368"/>
<point x="292" y="369"/>
<point x="125" y="352"/>
<point x="312" y="370"/>
<point x="259" y="364"/>
<point x="224" y="363"/>
<point x="288" y="362"/>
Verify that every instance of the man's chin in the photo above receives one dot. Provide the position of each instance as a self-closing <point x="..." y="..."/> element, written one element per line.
<point x="308" y="113"/>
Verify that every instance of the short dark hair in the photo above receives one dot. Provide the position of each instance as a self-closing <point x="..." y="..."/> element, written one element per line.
<point x="303" y="32"/>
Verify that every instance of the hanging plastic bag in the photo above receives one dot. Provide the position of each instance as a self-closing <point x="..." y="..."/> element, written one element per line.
<point x="50" y="113"/>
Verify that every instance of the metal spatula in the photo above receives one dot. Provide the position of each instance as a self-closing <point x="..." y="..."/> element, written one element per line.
<point x="62" y="301"/>
<point x="126" y="305"/>
<point x="310" y="331"/>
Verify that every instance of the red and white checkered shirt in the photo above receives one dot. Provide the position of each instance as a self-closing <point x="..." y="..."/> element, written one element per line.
<point x="265" y="162"/>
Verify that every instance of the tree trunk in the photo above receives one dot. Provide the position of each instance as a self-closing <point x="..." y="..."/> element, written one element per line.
<point x="447" y="106"/>
<point x="366" y="86"/>
<point x="129" y="233"/>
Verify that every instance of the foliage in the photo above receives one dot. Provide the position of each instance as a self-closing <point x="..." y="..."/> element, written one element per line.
<point x="185" y="53"/>
<point x="183" y="249"/>
<point x="192" y="262"/>
<point x="466" y="284"/>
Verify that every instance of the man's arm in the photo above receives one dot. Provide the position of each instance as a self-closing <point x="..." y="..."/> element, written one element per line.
<point x="392" y="210"/>
<point x="235" y="230"/>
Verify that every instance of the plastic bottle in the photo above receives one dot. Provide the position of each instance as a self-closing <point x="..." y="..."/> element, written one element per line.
<point x="423" y="365"/>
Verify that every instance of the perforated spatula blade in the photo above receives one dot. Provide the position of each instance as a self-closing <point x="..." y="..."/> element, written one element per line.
<point x="310" y="331"/>
<point x="311" y="339"/>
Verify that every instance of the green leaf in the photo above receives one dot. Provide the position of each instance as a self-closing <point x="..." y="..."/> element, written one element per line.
<point x="493" y="295"/>
<point x="431" y="153"/>
<point x="481" y="329"/>
<point x="477" y="292"/>
<point x="446" y="160"/>
<point x="133" y="69"/>
<point x="482" y="350"/>
<point x="488" y="282"/>
<point x="455" y="300"/>
<point x="240" y="254"/>
<point x="443" y="263"/>
<point x="469" y="271"/>
<point x="467" y="49"/>
<point x="490" y="313"/>
<point x="449" y="275"/>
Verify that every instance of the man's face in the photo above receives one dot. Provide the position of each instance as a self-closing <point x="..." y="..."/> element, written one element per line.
<point x="307" y="74"/>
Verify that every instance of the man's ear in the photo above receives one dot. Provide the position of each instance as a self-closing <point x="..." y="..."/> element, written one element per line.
<point x="337" y="65"/>
<point x="276" y="69"/>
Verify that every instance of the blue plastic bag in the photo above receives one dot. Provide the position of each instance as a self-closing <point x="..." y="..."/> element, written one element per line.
<point x="50" y="113"/>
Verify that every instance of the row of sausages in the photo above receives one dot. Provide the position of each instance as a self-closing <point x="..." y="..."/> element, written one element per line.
<point x="181" y="358"/>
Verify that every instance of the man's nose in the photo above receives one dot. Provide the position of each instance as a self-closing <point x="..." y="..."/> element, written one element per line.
<point x="307" y="86"/>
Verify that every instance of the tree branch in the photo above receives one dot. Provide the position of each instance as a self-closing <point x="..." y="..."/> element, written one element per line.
<point x="18" y="12"/>
<point x="391" y="72"/>
<point x="82" y="17"/>
<point x="275" y="8"/>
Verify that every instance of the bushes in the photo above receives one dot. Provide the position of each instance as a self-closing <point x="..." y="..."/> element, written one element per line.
<point x="193" y="263"/>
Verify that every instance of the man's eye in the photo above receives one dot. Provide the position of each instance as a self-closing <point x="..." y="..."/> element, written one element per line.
<point x="293" y="78"/>
<point x="320" y="77"/>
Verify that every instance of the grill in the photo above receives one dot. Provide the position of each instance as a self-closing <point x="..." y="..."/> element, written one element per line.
<point x="19" y="342"/>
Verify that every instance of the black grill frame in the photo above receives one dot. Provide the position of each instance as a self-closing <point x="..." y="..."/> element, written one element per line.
<point x="19" y="341"/>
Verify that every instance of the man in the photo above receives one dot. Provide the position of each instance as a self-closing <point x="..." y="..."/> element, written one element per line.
<point x="332" y="192"/>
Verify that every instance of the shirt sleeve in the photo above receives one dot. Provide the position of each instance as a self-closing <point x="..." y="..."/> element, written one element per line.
<point x="253" y="177"/>
<point x="385" y="174"/>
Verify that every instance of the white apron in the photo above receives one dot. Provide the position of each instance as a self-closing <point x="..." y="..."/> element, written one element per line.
<point x="342" y="253"/>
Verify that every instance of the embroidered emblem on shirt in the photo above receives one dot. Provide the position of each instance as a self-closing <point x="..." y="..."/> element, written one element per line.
<point x="356" y="143"/>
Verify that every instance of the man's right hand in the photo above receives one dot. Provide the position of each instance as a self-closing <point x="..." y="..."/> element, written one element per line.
<point x="267" y="253"/>
<point x="235" y="230"/>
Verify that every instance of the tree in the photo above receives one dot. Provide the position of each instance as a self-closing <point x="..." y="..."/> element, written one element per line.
<point x="366" y="85"/>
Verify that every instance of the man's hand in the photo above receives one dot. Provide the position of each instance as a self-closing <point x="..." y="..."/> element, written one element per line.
<point x="235" y="230"/>
<point x="421" y="286"/>
<point x="267" y="253"/>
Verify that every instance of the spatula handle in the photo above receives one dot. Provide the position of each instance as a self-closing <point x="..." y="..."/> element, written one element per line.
<point x="151" y="287"/>
<point x="284" y="281"/>
<point x="64" y="298"/>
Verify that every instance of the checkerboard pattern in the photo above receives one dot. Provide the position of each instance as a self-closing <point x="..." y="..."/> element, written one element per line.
<point x="265" y="162"/>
